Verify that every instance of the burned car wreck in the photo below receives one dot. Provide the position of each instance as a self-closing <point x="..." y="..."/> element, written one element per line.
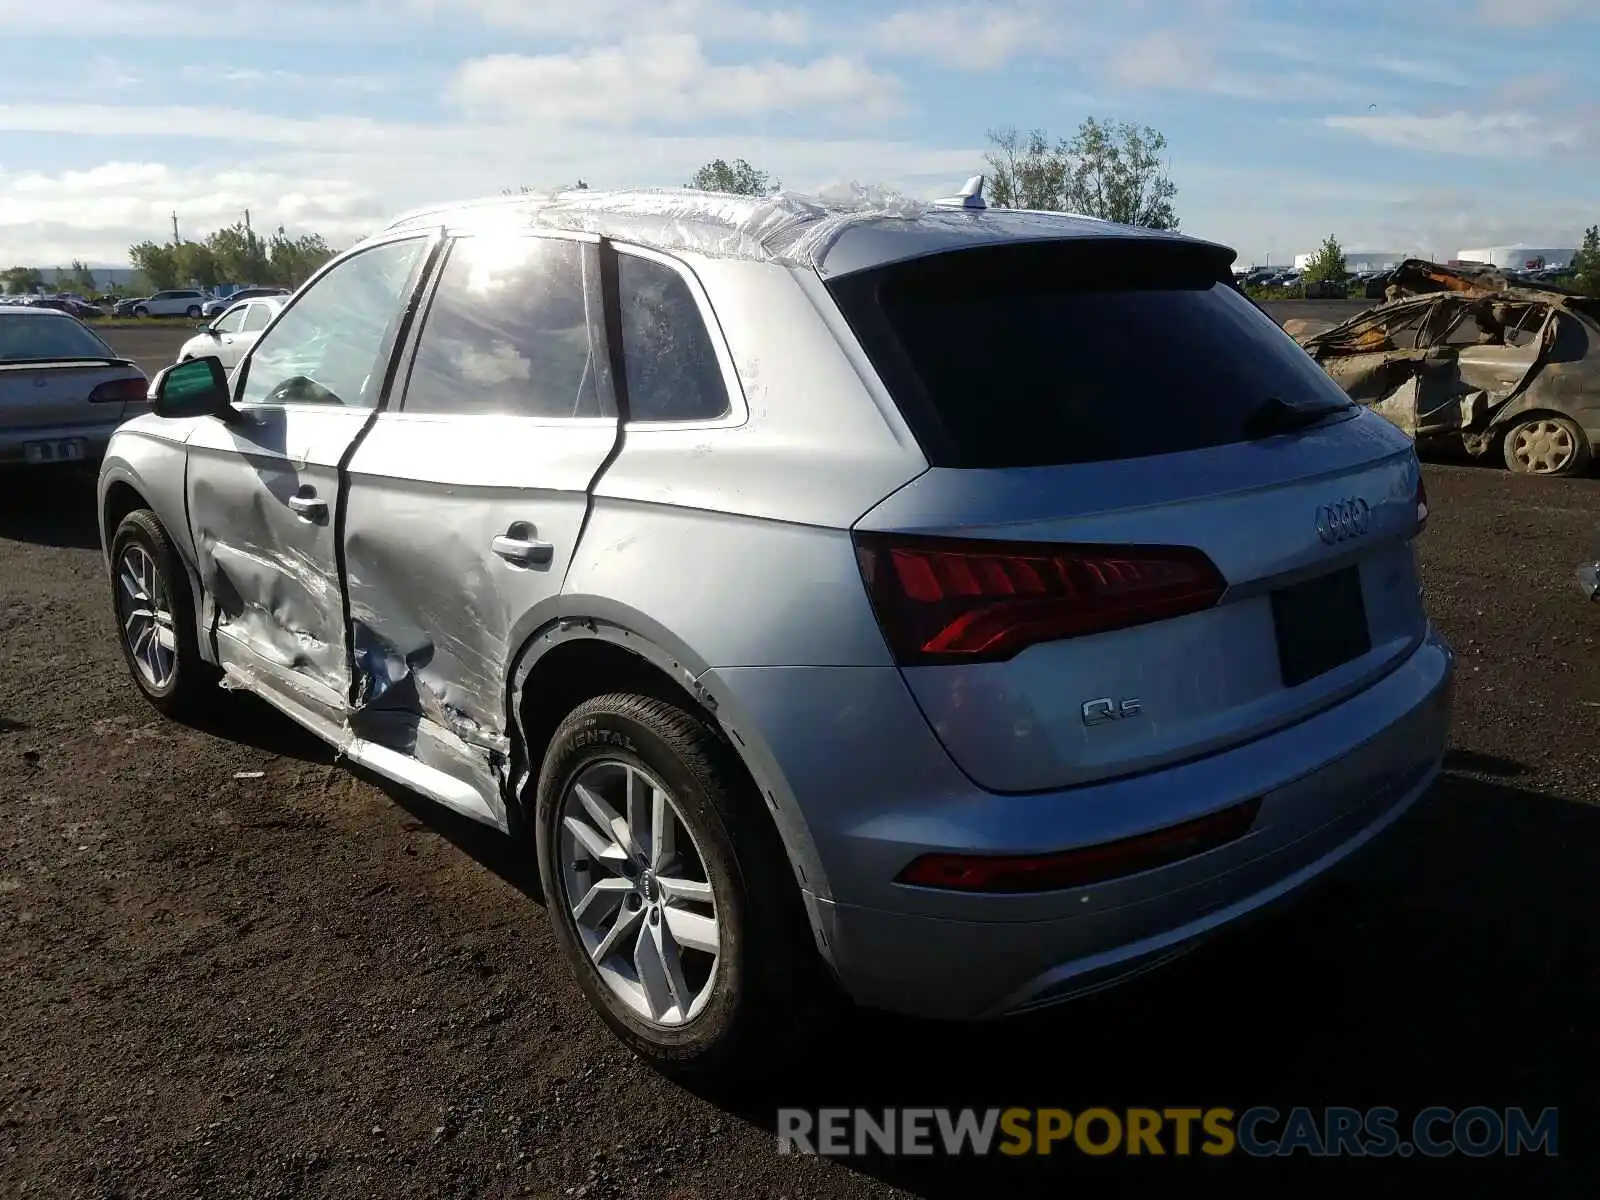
<point x="1475" y="359"/>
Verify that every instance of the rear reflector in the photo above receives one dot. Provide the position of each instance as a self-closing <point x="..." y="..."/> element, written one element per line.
<point x="119" y="391"/>
<point x="1088" y="865"/>
<point x="945" y="600"/>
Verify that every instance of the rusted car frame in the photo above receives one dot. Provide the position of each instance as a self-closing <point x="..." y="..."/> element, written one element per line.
<point x="1477" y="359"/>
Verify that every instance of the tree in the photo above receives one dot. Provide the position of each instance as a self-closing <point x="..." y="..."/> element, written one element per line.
<point x="197" y="265"/>
<point x="740" y="178"/>
<point x="1586" y="263"/>
<point x="1106" y="170"/>
<point x="293" y="260"/>
<point x="22" y="279"/>
<point x="78" y="277"/>
<point x="1327" y="264"/>
<point x="157" y="263"/>
<point x="238" y="254"/>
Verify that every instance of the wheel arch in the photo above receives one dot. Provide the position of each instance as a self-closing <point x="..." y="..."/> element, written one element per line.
<point x="575" y="658"/>
<point x="123" y="491"/>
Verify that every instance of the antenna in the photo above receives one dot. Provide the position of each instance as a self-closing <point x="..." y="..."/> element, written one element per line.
<point x="970" y="196"/>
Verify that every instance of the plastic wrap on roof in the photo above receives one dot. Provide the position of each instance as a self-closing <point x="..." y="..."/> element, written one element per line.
<point x="787" y="227"/>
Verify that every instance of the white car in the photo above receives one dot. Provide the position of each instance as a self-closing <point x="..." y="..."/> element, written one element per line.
<point x="180" y="302"/>
<point x="234" y="332"/>
<point x="218" y="305"/>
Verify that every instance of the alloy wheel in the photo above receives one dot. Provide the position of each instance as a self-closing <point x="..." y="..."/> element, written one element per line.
<point x="636" y="884"/>
<point x="145" y="608"/>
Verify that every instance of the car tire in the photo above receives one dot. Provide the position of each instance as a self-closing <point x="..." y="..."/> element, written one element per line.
<point x="765" y="990"/>
<point x="148" y="579"/>
<point x="1546" y="444"/>
<point x="141" y="311"/>
<point x="193" y="312"/>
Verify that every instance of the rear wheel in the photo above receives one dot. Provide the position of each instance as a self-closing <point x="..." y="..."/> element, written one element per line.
<point x="155" y="616"/>
<point x="1546" y="445"/>
<point x="193" y="312"/>
<point x="670" y="893"/>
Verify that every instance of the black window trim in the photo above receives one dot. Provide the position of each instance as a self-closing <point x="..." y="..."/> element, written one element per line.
<point x="738" y="407"/>
<point x="393" y="406"/>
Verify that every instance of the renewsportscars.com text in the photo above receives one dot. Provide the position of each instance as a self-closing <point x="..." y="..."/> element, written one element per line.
<point x="1259" y="1132"/>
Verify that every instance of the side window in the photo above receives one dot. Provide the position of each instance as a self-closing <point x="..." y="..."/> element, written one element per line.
<point x="670" y="367"/>
<point x="507" y="332"/>
<point x="325" y="349"/>
<point x="255" y="320"/>
<point x="231" y="321"/>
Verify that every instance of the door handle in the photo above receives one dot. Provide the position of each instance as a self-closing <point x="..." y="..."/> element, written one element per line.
<point x="309" y="507"/>
<point x="523" y="551"/>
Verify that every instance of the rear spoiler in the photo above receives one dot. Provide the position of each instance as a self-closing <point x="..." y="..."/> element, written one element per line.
<point x="78" y="360"/>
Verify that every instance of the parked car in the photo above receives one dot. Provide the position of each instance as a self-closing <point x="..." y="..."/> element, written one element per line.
<point x="1327" y="289"/>
<point x="70" y="305"/>
<point x="217" y="305"/>
<point x="62" y="389"/>
<point x="181" y="302"/>
<point x="792" y="579"/>
<point x="1476" y="359"/>
<point x="234" y="332"/>
<point x="127" y="308"/>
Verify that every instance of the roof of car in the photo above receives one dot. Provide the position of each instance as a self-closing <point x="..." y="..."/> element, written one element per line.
<point x="835" y="234"/>
<point x="37" y="310"/>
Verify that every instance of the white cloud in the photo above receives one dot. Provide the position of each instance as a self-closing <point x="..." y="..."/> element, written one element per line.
<point x="609" y="19"/>
<point x="969" y="37"/>
<point x="666" y="80"/>
<point x="1532" y="13"/>
<point x="1477" y="135"/>
<point x="1181" y="60"/>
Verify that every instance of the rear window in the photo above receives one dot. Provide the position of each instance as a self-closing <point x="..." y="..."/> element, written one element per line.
<point x="24" y="338"/>
<point x="1037" y="355"/>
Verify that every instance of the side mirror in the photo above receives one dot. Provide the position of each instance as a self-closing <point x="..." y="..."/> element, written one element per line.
<point x="206" y="327"/>
<point x="197" y="388"/>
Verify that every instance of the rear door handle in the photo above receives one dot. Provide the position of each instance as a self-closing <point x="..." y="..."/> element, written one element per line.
<point x="523" y="551"/>
<point x="309" y="507"/>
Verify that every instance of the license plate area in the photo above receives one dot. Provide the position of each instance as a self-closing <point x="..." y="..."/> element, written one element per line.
<point x="1321" y="624"/>
<point x="64" y="450"/>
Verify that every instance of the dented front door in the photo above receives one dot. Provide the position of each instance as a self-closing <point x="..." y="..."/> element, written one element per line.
<point x="264" y="486"/>
<point x="468" y="496"/>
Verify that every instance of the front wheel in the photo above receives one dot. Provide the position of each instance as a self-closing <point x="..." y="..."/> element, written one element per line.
<point x="670" y="893"/>
<point x="1546" y="445"/>
<point x="155" y="616"/>
<point x="141" y="311"/>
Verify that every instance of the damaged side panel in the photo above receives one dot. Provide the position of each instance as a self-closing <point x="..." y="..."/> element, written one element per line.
<point x="262" y="492"/>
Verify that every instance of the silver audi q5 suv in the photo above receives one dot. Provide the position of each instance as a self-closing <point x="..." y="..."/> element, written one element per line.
<point x="948" y="608"/>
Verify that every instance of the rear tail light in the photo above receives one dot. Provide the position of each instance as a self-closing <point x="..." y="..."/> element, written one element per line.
<point x="946" y="600"/>
<point x="119" y="391"/>
<point x="1082" y="867"/>
<point x="1422" y="501"/>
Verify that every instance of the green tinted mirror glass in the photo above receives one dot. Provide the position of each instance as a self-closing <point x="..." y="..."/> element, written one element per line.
<point x="192" y="388"/>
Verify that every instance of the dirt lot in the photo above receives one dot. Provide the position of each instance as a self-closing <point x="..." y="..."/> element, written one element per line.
<point x="231" y="968"/>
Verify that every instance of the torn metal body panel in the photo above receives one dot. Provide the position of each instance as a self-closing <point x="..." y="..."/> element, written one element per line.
<point x="262" y="493"/>
<point x="1466" y="357"/>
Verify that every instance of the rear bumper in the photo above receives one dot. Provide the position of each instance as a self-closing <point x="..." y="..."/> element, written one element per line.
<point x="872" y="790"/>
<point x="96" y="437"/>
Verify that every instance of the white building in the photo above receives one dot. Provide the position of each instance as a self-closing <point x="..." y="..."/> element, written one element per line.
<point x="1519" y="257"/>
<point x="1358" y="261"/>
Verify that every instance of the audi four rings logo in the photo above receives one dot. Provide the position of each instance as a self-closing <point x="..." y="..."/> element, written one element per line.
<point x="1343" y="520"/>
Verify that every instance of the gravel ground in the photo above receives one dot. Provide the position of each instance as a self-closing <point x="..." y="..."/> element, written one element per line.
<point x="231" y="968"/>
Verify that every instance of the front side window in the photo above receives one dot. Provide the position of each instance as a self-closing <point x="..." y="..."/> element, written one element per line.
<point x="257" y="318"/>
<point x="669" y="364"/>
<point x="507" y="332"/>
<point x="326" y="348"/>
<point x="231" y="321"/>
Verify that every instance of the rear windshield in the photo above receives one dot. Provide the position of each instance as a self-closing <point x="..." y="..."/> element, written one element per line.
<point x="1035" y="355"/>
<point x="23" y="338"/>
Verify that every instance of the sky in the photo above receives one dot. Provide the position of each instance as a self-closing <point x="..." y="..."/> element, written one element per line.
<point x="1427" y="126"/>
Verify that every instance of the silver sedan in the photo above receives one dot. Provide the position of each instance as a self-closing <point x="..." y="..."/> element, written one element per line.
<point x="63" y="391"/>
